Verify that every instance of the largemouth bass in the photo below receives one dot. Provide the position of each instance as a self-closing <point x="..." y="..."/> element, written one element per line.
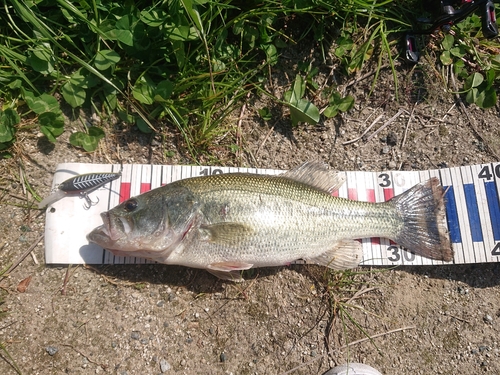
<point x="232" y="222"/>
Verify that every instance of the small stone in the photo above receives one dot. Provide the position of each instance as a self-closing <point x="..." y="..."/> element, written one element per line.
<point x="164" y="365"/>
<point x="223" y="357"/>
<point x="488" y="319"/>
<point x="386" y="149"/>
<point x="51" y="350"/>
<point x="135" y="335"/>
<point x="160" y="303"/>
<point x="392" y="139"/>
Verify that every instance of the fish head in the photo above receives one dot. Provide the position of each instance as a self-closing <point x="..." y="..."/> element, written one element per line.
<point x="149" y="225"/>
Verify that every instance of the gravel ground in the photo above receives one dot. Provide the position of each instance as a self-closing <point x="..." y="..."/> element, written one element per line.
<point x="152" y="319"/>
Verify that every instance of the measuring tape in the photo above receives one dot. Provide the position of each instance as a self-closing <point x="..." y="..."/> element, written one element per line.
<point x="472" y="209"/>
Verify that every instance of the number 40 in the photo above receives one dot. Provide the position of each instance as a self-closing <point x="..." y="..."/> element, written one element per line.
<point x="487" y="174"/>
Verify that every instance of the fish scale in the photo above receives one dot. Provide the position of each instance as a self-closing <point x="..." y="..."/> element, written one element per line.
<point x="301" y="206"/>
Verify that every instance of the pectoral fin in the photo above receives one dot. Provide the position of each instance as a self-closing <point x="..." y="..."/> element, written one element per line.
<point x="343" y="255"/>
<point x="226" y="233"/>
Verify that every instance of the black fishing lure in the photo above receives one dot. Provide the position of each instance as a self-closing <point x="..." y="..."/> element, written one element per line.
<point x="81" y="185"/>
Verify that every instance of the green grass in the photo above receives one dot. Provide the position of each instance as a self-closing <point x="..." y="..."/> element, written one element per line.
<point x="179" y="63"/>
<point x="342" y="289"/>
<point x="187" y="64"/>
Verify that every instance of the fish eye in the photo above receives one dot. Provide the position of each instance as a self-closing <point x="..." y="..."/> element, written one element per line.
<point x="131" y="205"/>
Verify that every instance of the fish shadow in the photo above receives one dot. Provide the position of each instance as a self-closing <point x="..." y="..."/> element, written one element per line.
<point x="477" y="275"/>
<point x="194" y="280"/>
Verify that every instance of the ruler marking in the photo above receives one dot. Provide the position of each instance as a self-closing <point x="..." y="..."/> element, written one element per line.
<point x="493" y="190"/>
<point x="371" y="195"/>
<point x="164" y="176"/>
<point x="342" y="192"/>
<point x="494" y="207"/>
<point x="361" y="194"/>
<point x="145" y="187"/>
<point x="473" y="213"/>
<point x="156" y="176"/>
<point x="484" y="213"/>
<point x="467" y="251"/>
<point x="380" y="182"/>
<point x="126" y="185"/>
<point x="452" y="216"/>
<point x="136" y="180"/>
<point x="471" y="200"/>
<point x="351" y="186"/>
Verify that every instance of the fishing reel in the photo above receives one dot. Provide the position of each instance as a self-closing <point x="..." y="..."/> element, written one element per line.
<point x="446" y="13"/>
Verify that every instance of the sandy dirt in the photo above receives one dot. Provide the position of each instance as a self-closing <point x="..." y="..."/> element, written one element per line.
<point x="149" y="319"/>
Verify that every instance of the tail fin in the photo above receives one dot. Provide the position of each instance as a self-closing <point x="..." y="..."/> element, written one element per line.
<point x="424" y="231"/>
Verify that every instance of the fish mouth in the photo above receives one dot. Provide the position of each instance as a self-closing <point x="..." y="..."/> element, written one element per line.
<point x="110" y="231"/>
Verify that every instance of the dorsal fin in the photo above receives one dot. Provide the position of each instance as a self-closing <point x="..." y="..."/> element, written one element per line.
<point x="316" y="174"/>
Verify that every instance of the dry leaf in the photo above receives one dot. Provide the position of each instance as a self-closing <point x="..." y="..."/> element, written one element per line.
<point x="23" y="285"/>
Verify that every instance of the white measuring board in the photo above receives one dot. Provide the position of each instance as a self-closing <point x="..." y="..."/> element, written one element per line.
<point x="472" y="209"/>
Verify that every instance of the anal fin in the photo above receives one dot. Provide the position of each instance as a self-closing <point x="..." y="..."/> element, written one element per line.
<point x="229" y="266"/>
<point x="234" y="276"/>
<point x="343" y="255"/>
<point x="228" y="270"/>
